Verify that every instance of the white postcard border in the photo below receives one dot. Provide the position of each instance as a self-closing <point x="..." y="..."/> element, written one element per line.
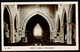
<point x="39" y="48"/>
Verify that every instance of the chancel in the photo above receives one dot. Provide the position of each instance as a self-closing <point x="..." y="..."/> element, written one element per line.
<point x="37" y="30"/>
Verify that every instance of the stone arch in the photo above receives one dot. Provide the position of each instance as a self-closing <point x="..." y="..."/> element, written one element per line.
<point x="58" y="27"/>
<point x="65" y="26"/>
<point x="11" y="23"/>
<point x="34" y="13"/>
<point x="40" y="13"/>
<point x="70" y="13"/>
<point x="31" y="24"/>
<point x="63" y="18"/>
<point x="58" y="24"/>
<point x="72" y="23"/>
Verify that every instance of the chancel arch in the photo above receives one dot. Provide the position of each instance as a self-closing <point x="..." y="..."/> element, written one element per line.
<point x="39" y="23"/>
<point x="40" y="13"/>
<point x="34" y="13"/>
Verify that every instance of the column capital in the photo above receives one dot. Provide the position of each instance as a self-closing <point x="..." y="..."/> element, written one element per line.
<point x="61" y="26"/>
<point x="69" y="23"/>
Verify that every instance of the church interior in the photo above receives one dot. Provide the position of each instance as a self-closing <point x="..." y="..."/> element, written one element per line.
<point x="39" y="24"/>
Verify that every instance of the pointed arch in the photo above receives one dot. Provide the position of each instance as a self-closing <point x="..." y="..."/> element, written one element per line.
<point x="64" y="24"/>
<point x="34" y="13"/>
<point x="30" y="25"/>
<point x="7" y="9"/>
<point x="72" y="20"/>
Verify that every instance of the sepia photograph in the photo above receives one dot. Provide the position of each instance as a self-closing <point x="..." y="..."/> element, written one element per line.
<point x="29" y="26"/>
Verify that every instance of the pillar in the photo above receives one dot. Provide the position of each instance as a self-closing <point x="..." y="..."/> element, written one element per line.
<point x="11" y="33"/>
<point x="61" y="34"/>
<point x="23" y="35"/>
<point x="51" y="34"/>
<point x="69" y="33"/>
<point x="55" y="35"/>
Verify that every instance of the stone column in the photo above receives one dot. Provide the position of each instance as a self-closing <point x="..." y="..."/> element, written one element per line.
<point x="18" y="19"/>
<point x="51" y="34"/>
<point x="11" y="33"/>
<point x="57" y="39"/>
<point x="61" y="34"/>
<point x="69" y="33"/>
<point x="55" y="35"/>
<point x="23" y="33"/>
